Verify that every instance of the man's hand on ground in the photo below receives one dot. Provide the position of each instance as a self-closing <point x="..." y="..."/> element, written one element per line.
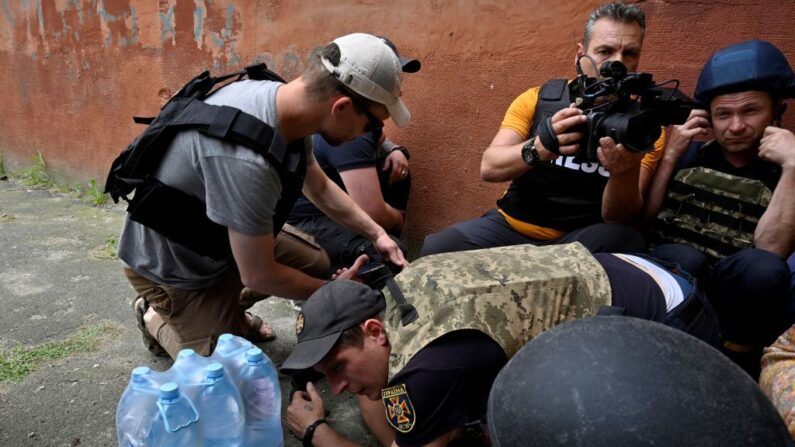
<point x="305" y="408"/>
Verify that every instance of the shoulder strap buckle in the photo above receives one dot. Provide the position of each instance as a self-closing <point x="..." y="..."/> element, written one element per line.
<point x="408" y="313"/>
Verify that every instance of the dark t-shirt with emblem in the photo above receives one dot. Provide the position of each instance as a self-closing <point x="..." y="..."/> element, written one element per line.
<point x="444" y="386"/>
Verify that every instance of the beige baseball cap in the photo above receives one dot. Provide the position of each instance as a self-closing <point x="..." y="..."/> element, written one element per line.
<point x="369" y="67"/>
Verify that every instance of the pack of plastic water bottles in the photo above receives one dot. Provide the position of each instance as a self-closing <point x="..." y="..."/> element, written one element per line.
<point x="231" y="398"/>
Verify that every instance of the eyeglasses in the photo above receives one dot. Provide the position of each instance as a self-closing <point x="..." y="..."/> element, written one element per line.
<point x="374" y="125"/>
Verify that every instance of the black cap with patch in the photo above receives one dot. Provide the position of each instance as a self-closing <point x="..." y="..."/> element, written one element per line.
<point x="336" y="306"/>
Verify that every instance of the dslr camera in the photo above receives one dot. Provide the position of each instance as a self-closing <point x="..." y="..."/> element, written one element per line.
<point x="628" y="107"/>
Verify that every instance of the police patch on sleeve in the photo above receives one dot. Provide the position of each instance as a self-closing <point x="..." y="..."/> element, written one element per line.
<point x="399" y="411"/>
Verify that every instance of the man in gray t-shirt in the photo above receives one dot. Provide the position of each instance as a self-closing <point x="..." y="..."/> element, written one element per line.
<point x="186" y="299"/>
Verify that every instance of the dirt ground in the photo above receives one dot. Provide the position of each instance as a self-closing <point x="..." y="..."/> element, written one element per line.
<point x="57" y="278"/>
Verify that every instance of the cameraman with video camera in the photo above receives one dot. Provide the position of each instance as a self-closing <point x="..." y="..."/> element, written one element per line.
<point x="556" y="196"/>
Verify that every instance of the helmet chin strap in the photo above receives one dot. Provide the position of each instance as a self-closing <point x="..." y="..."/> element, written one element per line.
<point x="781" y="107"/>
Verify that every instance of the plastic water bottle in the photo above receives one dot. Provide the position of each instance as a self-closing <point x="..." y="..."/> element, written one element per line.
<point x="262" y="401"/>
<point x="189" y="367"/>
<point x="173" y="424"/>
<point x="230" y="351"/>
<point x="221" y="410"/>
<point x="136" y="407"/>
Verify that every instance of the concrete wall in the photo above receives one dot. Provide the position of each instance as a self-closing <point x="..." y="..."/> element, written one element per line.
<point x="73" y="72"/>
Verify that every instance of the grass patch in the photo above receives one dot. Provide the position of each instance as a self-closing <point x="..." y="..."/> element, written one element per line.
<point x="3" y="174"/>
<point x="19" y="362"/>
<point x="73" y="190"/>
<point x="37" y="175"/>
<point x="108" y="250"/>
<point x="94" y="194"/>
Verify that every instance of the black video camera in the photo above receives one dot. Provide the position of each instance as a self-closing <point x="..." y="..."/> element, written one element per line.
<point x="628" y="107"/>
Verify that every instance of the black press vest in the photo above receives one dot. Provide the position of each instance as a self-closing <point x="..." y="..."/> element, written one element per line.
<point x="564" y="195"/>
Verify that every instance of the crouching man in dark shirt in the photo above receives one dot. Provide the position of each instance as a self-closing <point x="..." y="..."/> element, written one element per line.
<point x="422" y="353"/>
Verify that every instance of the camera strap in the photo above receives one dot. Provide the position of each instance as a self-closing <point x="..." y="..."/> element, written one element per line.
<point x="552" y="97"/>
<point x="546" y="133"/>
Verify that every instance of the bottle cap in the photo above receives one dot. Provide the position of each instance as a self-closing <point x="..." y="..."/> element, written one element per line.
<point x="139" y="373"/>
<point x="214" y="370"/>
<point x="169" y="391"/>
<point x="186" y="354"/>
<point x="225" y="344"/>
<point x="254" y="355"/>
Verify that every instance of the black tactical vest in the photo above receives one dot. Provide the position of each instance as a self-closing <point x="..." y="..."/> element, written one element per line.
<point x="563" y="198"/>
<point x="174" y="214"/>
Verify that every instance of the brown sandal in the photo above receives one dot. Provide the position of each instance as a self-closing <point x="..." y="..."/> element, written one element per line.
<point x="256" y="324"/>
<point x="139" y="309"/>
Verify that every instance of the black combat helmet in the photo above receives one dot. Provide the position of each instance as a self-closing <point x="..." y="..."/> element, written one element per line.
<point x="620" y="381"/>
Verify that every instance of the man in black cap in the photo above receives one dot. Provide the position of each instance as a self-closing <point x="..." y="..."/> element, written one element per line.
<point x="424" y="351"/>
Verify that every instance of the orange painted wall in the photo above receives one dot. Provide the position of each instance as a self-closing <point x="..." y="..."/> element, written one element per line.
<point x="73" y="72"/>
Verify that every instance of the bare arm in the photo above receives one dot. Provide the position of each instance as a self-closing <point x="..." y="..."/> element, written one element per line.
<point x="363" y="187"/>
<point x="775" y="231"/>
<point x="679" y="138"/>
<point x="325" y="436"/>
<point x="335" y="203"/>
<point x="502" y="160"/>
<point x="659" y="186"/>
<point x="373" y="415"/>
<point x="259" y="270"/>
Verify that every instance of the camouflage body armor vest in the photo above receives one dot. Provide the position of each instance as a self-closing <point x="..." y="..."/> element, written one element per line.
<point x="510" y="293"/>
<point x="712" y="211"/>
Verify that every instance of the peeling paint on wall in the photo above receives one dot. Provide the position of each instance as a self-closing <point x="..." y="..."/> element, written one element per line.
<point x="168" y="29"/>
<point x="40" y="15"/>
<point x="120" y="27"/>
<point x="198" y="22"/>
<point x="46" y="27"/>
<point x="7" y="13"/>
<point x="224" y="40"/>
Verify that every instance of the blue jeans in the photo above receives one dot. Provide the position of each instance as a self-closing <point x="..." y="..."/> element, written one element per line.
<point x="751" y="290"/>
